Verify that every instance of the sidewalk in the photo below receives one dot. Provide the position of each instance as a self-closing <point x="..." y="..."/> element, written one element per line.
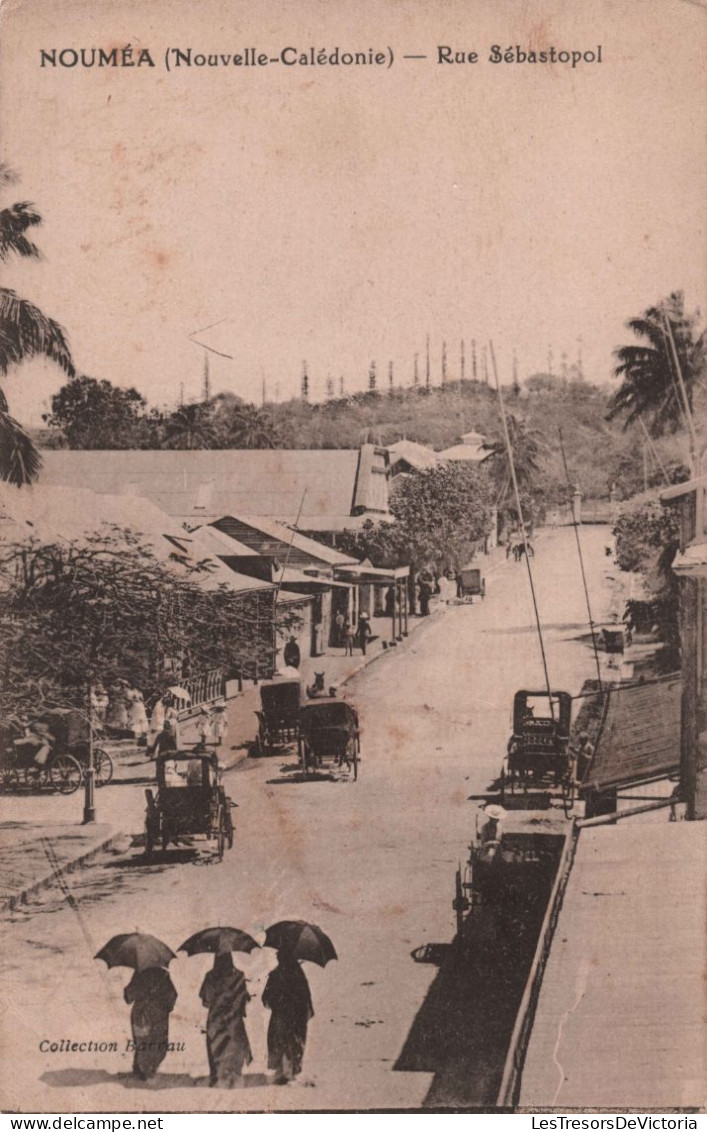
<point x="41" y="836"/>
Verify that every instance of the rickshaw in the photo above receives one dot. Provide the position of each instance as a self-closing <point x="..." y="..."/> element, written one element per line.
<point x="190" y="801"/>
<point x="329" y="731"/>
<point x="613" y="639"/>
<point x="538" y="750"/>
<point x="471" y="584"/>
<point x="71" y="728"/>
<point x="278" y="719"/>
<point x="65" y="731"/>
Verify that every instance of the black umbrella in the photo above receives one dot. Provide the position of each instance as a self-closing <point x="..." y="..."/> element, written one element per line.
<point x="218" y="941"/>
<point x="301" y="940"/>
<point x="137" y="950"/>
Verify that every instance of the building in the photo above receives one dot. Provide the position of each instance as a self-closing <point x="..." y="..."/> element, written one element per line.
<point x="330" y="490"/>
<point x="407" y="456"/>
<point x="63" y="514"/>
<point x="472" y="449"/>
<point x="690" y="566"/>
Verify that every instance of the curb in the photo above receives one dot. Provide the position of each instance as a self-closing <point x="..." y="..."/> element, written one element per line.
<point x="11" y="903"/>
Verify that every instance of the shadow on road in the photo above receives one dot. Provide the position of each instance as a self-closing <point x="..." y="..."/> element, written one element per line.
<point x="84" y="1078"/>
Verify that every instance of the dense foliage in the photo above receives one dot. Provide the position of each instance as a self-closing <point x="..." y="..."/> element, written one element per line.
<point x="442" y="514"/>
<point x="106" y="607"/>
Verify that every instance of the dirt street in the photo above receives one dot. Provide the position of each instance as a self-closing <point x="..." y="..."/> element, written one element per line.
<point x="371" y="862"/>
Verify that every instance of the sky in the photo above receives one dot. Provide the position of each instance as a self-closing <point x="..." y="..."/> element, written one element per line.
<point x="339" y="215"/>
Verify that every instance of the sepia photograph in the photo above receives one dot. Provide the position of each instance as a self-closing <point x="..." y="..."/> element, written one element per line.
<point x="353" y="556"/>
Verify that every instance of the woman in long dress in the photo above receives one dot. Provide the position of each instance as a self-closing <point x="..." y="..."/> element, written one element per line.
<point x="287" y="996"/>
<point x="153" y="996"/>
<point x="224" y="993"/>
<point x="137" y="716"/>
<point x="156" y="723"/>
<point x="117" y="710"/>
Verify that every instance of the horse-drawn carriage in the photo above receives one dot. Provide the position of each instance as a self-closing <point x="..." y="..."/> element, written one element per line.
<point x="278" y="718"/>
<point x="539" y="748"/>
<point x="471" y="584"/>
<point x="190" y="801"/>
<point x="329" y="732"/>
<point x="52" y="751"/>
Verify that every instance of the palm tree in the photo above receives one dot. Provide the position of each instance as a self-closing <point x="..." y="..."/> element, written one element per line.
<point x="25" y="332"/>
<point x="649" y="388"/>
<point x="254" y="428"/>
<point x="527" y="445"/>
<point x="190" y="427"/>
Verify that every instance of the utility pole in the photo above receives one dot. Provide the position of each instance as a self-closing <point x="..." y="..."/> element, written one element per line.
<point x="516" y="383"/>
<point x="207" y="379"/>
<point x="444" y="363"/>
<point x="427" y="367"/>
<point x="473" y="359"/>
<point x="461" y="362"/>
<point x="580" y="367"/>
<point x="415" y="374"/>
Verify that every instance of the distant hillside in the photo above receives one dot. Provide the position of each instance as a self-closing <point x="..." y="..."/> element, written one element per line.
<point x="599" y="453"/>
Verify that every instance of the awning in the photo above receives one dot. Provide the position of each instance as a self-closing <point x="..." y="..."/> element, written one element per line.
<point x="639" y="739"/>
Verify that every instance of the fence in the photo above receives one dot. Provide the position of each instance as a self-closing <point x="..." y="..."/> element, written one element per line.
<point x="515" y="1058"/>
<point x="205" y="687"/>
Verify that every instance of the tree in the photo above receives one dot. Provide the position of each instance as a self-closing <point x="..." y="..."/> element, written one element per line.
<point x="190" y="427"/>
<point x="245" y="426"/>
<point x="443" y="512"/>
<point x="96" y="414"/>
<point x="649" y="383"/>
<point x="527" y="445"/>
<point x="106" y="607"/>
<point x="25" y="332"/>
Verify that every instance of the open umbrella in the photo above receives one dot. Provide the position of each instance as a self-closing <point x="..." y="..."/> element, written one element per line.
<point x="137" y="950"/>
<point x="217" y="941"/>
<point x="301" y="940"/>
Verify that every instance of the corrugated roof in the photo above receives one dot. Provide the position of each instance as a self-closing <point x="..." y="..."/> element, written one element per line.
<point x="619" y="1020"/>
<point x="280" y="533"/>
<point x="640" y="736"/>
<point x="72" y="514"/>
<point x="416" y="455"/>
<point x="207" y="484"/>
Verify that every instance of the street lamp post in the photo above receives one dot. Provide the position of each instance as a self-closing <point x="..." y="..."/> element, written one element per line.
<point x="89" y="798"/>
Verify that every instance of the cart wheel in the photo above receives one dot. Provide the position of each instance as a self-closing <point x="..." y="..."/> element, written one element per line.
<point x="103" y="766"/>
<point x="221" y="834"/>
<point x="229" y="830"/>
<point x="65" y="774"/>
<point x="354" y="759"/>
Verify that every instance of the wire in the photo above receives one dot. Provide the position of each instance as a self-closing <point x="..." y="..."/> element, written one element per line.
<point x="575" y="524"/>
<point x="512" y="470"/>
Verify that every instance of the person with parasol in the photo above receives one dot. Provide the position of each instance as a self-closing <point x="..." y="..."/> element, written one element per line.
<point x="224" y="993"/>
<point x="287" y="994"/>
<point x="151" y="993"/>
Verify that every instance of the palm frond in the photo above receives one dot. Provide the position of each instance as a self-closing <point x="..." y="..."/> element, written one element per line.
<point x="14" y="222"/>
<point x="26" y="332"/>
<point x="19" y="459"/>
